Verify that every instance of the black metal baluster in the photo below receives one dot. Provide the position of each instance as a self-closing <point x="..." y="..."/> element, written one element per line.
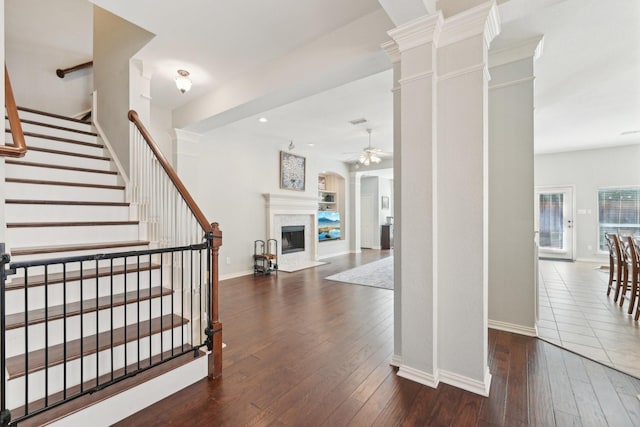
<point x="138" y="311"/>
<point x="150" y="313"/>
<point x="46" y="335"/>
<point x="26" y="341"/>
<point x="81" y="326"/>
<point x="64" y="331"/>
<point x="192" y="291"/>
<point x="182" y="297"/>
<point x="172" y="270"/>
<point x="161" y="304"/>
<point x="97" y="325"/>
<point x="125" y="318"/>
<point x="200" y="290"/>
<point x="111" y="311"/>
<point x="5" y="415"/>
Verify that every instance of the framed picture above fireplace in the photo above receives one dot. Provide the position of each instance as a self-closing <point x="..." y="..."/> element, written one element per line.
<point x="292" y="171"/>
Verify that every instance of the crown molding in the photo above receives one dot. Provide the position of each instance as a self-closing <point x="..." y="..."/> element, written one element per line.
<point x="392" y="51"/>
<point x="529" y="48"/>
<point x="418" y="32"/>
<point x="482" y="19"/>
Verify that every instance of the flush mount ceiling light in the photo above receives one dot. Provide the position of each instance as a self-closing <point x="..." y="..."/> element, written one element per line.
<point x="183" y="82"/>
<point x="370" y="155"/>
<point x="263" y="120"/>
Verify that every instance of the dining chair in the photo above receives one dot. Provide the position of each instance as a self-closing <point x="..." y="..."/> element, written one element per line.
<point x="634" y="255"/>
<point x="614" y="271"/>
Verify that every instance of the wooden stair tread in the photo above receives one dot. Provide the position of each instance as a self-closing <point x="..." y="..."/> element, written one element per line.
<point x="59" y="139"/>
<point x="68" y="153"/>
<point x="52" y="166"/>
<point x="68" y="224"/>
<point x="48" y="125"/>
<point x="64" y="202"/>
<point x="63" y="183"/>
<point x="90" y="344"/>
<point x="87" y="400"/>
<point x="57" y="116"/>
<point x="78" y="247"/>
<point x="34" y="317"/>
<point x="72" y="276"/>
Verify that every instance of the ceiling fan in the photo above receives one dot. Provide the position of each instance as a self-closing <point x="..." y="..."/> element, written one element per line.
<point x="371" y="154"/>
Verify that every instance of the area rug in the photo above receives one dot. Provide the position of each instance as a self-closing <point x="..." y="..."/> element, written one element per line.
<point x="378" y="274"/>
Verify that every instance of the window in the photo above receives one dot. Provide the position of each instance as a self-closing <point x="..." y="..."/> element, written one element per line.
<point x="618" y="212"/>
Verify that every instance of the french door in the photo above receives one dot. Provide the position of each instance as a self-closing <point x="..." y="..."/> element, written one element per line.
<point x="554" y="221"/>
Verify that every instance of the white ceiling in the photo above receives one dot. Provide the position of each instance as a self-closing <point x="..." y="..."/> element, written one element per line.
<point x="587" y="87"/>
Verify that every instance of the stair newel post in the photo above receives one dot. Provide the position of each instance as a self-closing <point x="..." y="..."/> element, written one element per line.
<point x="215" y="326"/>
<point x="5" y="415"/>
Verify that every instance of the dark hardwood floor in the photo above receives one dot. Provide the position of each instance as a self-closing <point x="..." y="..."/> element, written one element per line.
<point x="304" y="351"/>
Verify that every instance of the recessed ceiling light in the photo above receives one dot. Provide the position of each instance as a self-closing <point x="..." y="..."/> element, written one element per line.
<point x="311" y="144"/>
<point x="630" y="132"/>
<point x="263" y="120"/>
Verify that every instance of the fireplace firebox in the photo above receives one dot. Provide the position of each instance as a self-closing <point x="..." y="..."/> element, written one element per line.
<point x="292" y="238"/>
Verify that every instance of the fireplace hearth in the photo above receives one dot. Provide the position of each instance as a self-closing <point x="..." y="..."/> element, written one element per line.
<point x="292" y="238"/>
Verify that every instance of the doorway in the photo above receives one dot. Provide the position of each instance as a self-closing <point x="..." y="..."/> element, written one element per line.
<point x="554" y="222"/>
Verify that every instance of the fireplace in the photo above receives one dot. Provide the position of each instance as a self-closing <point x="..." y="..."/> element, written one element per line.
<point x="292" y="238"/>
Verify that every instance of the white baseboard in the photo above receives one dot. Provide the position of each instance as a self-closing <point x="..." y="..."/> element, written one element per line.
<point x="334" y="254"/>
<point x="396" y="361"/>
<point x="120" y="406"/>
<point x="418" y="376"/>
<point x="513" y="328"/>
<point x="466" y="383"/>
<point x="234" y="275"/>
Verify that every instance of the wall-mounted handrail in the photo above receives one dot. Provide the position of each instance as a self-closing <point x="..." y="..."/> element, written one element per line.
<point x="19" y="146"/>
<point x="195" y="209"/>
<point x="61" y="72"/>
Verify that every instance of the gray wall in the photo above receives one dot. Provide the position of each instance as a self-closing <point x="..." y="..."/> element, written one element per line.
<point x="588" y="171"/>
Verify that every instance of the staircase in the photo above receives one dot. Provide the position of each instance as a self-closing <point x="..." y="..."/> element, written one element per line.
<point x="93" y="305"/>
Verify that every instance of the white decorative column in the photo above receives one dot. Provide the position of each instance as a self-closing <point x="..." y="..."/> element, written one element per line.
<point x="414" y="168"/>
<point x="462" y="197"/>
<point x="442" y="156"/>
<point x="354" y="212"/>
<point x="512" y="257"/>
<point x="394" y="54"/>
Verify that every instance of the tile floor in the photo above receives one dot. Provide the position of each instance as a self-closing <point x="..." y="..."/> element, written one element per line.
<point x="576" y="314"/>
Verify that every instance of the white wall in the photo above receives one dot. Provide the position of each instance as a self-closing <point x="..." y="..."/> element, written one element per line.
<point x="227" y="173"/>
<point x="162" y="131"/>
<point x="115" y="41"/>
<point x="589" y="170"/>
<point x="35" y="49"/>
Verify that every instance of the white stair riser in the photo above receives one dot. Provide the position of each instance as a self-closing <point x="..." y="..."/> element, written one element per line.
<point x="73" y="368"/>
<point x="57" y="268"/>
<point x="55" y="121"/>
<point x="66" y="160"/>
<point x="59" y="133"/>
<point x="51" y="144"/>
<point x="56" y="292"/>
<point x="16" y="337"/>
<point x="15" y="212"/>
<point x="53" y="174"/>
<point x="30" y="236"/>
<point x="18" y="190"/>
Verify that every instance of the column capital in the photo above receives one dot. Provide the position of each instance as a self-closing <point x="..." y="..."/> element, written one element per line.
<point x="529" y="48"/>
<point x="418" y="32"/>
<point x="482" y="19"/>
<point x="392" y="50"/>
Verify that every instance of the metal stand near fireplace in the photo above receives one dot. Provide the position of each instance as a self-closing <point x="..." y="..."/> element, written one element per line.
<point x="265" y="257"/>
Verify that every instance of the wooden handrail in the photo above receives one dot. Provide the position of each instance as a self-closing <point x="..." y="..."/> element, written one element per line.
<point x="19" y="146"/>
<point x="61" y="72"/>
<point x="195" y="209"/>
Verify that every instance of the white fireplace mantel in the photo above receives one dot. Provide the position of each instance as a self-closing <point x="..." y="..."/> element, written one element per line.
<point x="281" y="209"/>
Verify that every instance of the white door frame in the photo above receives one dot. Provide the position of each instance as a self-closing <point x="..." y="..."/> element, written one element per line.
<point x="571" y="189"/>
